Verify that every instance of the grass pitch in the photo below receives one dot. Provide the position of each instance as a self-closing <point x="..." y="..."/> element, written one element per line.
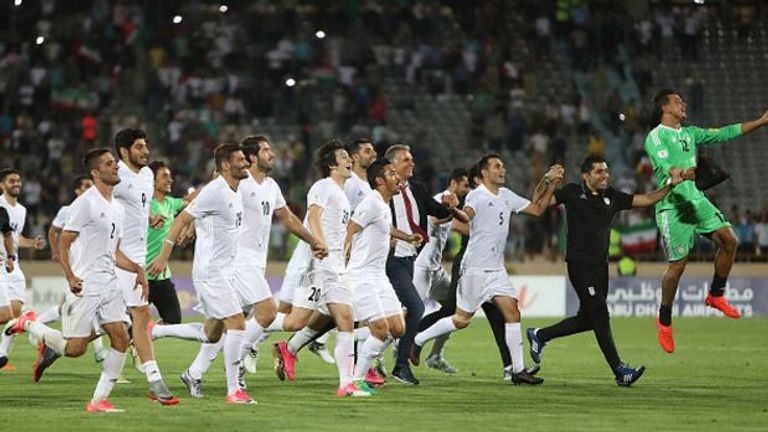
<point x="717" y="380"/>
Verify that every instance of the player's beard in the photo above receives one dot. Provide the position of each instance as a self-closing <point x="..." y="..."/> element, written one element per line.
<point x="136" y="161"/>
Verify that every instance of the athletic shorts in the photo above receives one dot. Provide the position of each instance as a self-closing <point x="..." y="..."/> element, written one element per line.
<point x="323" y="287"/>
<point x="218" y="297"/>
<point x="374" y="297"/>
<point x="5" y="300"/>
<point x="478" y="286"/>
<point x="127" y="282"/>
<point x="431" y="284"/>
<point x="79" y="315"/>
<point x="15" y="285"/>
<point x="678" y="227"/>
<point x="295" y="272"/>
<point x="251" y="285"/>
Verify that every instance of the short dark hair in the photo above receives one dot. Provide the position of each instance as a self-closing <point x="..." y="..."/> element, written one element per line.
<point x="155" y="166"/>
<point x="5" y="172"/>
<point x="251" y="145"/>
<point x="91" y="158"/>
<point x="457" y="174"/>
<point x="472" y="174"/>
<point x="223" y="153"/>
<point x="483" y="164"/>
<point x="377" y="170"/>
<point x="660" y="99"/>
<point x="126" y="137"/>
<point x="354" y="146"/>
<point x="586" y="165"/>
<point x="78" y="182"/>
<point x="326" y="156"/>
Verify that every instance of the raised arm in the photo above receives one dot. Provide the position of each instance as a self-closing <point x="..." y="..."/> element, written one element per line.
<point x="749" y="126"/>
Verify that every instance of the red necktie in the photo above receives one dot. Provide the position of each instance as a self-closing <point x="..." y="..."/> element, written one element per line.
<point x="415" y="227"/>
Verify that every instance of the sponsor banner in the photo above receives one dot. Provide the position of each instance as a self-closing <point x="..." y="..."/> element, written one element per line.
<point x="640" y="297"/>
<point x="540" y="296"/>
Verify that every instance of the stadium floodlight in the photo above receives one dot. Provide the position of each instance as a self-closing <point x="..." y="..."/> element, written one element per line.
<point x="320" y="34"/>
<point x="39" y="40"/>
<point x="290" y="82"/>
<point x="223" y="8"/>
<point x="177" y="19"/>
<point x="17" y="3"/>
<point x="698" y="1"/>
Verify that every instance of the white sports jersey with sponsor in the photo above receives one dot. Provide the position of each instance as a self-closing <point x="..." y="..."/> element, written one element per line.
<point x="431" y="256"/>
<point x="260" y="200"/>
<point x="489" y="228"/>
<point x="370" y="247"/>
<point x="134" y="192"/>
<point x="329" y="196"/>
<point x="17" y="215"/>
<point x="356" y="189"/>
<point x="99" y="224"/>
<point x="218" y="213"/>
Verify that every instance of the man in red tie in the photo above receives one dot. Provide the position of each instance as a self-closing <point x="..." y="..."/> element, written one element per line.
<point x="409" y="214"/>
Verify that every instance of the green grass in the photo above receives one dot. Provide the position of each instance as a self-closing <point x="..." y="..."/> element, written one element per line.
<point x="716" y="380"/>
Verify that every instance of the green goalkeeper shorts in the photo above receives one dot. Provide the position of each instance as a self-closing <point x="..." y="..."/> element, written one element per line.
<point x="679" y="226"/>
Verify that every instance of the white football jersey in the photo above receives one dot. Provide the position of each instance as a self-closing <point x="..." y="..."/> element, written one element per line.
<point x="431" y="256"/>
<point x="134" y="192"/>
<point x="489" y="228"/>
<point x="356" y="189"/>
<point x="17" y="215"/>
<point x="260" y="200"/>
<point x="59" y="221"/>
<point x="218" y="213"/>
<point x="61" y="217"/>
<point x="99" y="224"/>
<point x="370" y="246"/>
<point x="329" y="196"/>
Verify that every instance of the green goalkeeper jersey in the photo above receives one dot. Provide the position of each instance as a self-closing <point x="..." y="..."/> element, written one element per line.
<point x="169" y="208"/>
<point x="667" y="147"/>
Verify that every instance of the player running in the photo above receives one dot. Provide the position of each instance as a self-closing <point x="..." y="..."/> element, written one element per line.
<point x="483" y="275"/>
<point x="89" y="254"/>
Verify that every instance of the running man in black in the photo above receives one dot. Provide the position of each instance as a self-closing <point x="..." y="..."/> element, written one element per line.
<point x="591" y="207"/>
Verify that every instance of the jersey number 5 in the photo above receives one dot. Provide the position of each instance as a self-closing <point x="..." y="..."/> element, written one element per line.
<point x="501" y="218"/>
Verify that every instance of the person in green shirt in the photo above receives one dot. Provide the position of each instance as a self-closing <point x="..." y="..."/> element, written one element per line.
<point x="686" y="211"/>
<point x="162" y="291"/>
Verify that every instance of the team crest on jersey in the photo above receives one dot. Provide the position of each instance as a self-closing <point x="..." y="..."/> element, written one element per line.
<point x="490" y="204"/>
<point x="130" y="185"/>
<point x="102" y="215"/>
<point x="663" y="154"/>
<point x="253" y="194"/>
<point x="607" y="201"/>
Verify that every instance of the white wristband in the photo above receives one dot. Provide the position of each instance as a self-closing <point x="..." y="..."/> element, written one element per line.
<point x="170" y="242"/>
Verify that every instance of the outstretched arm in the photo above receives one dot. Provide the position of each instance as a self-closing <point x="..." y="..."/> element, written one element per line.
<point x="651" y="198"/>
<point x="749" y="126"/>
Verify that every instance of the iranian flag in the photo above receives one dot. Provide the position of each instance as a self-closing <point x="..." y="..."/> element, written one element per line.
<point x="639" y="238"/>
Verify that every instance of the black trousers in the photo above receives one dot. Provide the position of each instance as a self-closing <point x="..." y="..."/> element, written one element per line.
<point x="591" y="285"/>
<point x="400" y="274"/>
<point x="162" y="294"/>
<point x="495" y="318"/>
